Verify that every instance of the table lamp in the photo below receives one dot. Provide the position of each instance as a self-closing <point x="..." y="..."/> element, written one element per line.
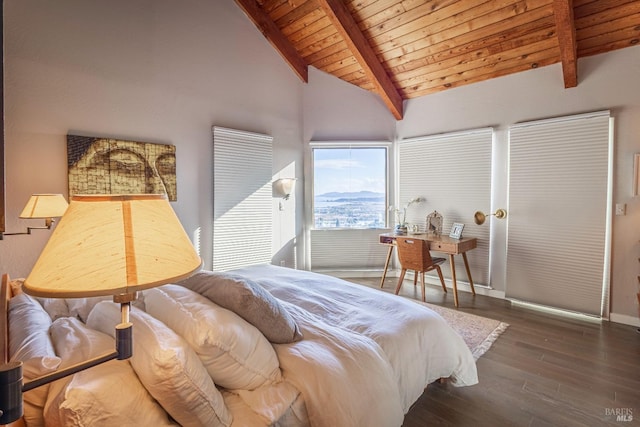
<point x="104" y="245"/>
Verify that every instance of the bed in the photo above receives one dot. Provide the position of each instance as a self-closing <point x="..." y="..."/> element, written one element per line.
<point x="257" y="346"/>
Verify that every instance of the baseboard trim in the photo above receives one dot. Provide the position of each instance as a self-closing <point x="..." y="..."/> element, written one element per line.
<point x="624" y="319"/>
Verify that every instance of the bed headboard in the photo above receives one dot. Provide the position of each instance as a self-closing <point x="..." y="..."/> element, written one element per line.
<point x="4" y="326"/>
<point x="5" y="295"/>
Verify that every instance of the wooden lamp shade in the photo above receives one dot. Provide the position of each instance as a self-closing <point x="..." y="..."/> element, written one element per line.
<point x="113" y="245"/>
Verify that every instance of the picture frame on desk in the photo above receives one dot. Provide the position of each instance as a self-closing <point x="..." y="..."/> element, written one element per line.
<point x="456" y="230"/>
<point x="434" y="223"/>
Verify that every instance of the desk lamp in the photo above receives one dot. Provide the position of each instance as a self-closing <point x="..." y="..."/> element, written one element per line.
<point x="104" y="245"/>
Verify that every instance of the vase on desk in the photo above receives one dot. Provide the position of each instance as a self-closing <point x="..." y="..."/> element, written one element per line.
<point x="400" y="229"/>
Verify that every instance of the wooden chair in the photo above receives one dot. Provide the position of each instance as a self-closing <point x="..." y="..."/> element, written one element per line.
<point x="414" y="255"/>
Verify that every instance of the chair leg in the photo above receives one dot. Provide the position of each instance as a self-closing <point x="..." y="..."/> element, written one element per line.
<point x="422" y="286"/>
<point x="415" y="278"/>
<point x="399" y="285"/>
<point x="439" y="270"/>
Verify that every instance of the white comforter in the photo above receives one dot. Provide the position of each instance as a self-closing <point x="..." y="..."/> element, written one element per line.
<point x="366" y="355"/>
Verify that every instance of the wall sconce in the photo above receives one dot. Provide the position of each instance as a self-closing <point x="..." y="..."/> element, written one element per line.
<point x="479" y="217"/>
<point x="104" y="245"/>
<point x="283" y="187"/>
<point x="42" y="206"/>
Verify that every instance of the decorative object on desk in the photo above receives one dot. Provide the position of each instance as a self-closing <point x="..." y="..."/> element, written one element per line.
<point x="401" y="214"/>
<point x="104" y="245"/>
<point x="479" y="217"/>
<point x="400" y="230"/>
<point x="456" y="230"/>
<point x="434" y="223"/>
<point x="113" y="166"/>
<point x="42" y="206"/>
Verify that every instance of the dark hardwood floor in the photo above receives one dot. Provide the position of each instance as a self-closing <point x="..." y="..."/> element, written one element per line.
<point x="545" y="370"/>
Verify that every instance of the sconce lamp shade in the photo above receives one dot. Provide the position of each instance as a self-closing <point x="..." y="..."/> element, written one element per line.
<point x="113" y="245"/>
<point x="479" y="217"/>
<point x="45" y="206"/>
<point x="283" y="187"/>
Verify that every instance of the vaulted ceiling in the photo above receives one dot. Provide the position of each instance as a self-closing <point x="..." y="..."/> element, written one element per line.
<point x="403" y="49"/>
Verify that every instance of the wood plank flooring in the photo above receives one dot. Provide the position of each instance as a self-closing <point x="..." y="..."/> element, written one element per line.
<point x="545" y="370"/>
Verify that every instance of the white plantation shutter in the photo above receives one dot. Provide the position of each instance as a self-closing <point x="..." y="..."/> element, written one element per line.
<point x="347" y="249"/>
<point x="242" y="198"/>
<point x="559" y="212"/>
<point x="453" y="172"/>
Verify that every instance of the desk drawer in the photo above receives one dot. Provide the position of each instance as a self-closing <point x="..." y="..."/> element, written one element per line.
<point x="443" y="247"/>
<point x="387" y="240"/>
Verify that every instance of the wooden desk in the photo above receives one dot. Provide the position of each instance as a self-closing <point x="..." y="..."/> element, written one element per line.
<point x="441" y="243"/>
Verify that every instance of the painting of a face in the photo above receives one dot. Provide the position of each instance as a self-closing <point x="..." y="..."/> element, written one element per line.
<point x="110" y="166"/>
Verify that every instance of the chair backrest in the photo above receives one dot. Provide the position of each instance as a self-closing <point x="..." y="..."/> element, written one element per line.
<point x="413" y="253"/>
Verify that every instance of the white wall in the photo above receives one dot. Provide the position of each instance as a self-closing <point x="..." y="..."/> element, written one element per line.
<point x="336" y="110"/>
<point x="147" y="70"/>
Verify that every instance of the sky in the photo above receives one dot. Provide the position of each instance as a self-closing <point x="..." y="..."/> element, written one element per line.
<point x="349" y="170"/>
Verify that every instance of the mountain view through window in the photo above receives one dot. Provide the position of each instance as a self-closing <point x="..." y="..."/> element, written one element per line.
<point x="350" y="187"/>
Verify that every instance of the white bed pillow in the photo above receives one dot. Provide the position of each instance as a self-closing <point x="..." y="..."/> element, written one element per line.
<point x="107" y="394"/>
<point x="274" y="402"/>
<point x="55" y="307"/>
<point x="168" y="368"/>
<point x="248" y="300"/>
<point x="28" y="329"/>
<point x="235" y="353"/>
<point x="81" y="307"/>
<point x="29" y="343"/>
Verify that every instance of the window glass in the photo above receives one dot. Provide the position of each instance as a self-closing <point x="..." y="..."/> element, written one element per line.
<point x="350" y="187"/>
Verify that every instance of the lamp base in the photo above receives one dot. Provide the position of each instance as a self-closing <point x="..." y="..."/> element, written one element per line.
<point x="124" y="340"/>
<point x="10" y="392"/>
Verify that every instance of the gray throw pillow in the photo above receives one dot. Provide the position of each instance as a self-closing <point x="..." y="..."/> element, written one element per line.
<point x="248" y="300"/>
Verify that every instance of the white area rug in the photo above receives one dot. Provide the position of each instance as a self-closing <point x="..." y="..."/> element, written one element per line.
<point x="478" y="332"/>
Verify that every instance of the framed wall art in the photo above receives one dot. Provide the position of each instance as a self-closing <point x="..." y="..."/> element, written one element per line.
<point x="113" y="166"/>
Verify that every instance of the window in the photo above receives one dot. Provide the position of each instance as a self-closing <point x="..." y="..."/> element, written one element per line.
<point x="349" y="186"/>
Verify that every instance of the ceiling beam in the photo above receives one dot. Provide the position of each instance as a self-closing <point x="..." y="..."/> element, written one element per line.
<point x="272" y="33"/>
<point x="566" y="33"/>
<point x="346" y="26"/>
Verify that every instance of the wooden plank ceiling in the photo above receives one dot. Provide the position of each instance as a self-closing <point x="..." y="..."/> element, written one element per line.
<point x="404" y="49"/>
